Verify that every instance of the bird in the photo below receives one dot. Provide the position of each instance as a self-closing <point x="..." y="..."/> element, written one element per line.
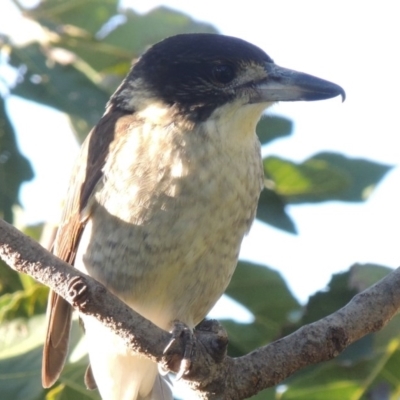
<point x="162" y="194"/>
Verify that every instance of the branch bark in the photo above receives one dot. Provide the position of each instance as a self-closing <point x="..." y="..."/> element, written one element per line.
<point x="211" y="376"/>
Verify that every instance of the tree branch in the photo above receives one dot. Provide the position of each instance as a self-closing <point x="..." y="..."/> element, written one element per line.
<point x="211" y="376"/>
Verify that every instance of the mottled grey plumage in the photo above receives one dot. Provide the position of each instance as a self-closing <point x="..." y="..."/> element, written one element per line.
<point x="164" y="191"/>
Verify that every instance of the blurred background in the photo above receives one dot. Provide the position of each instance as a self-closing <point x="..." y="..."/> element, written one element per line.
<point x="327" y="221"/>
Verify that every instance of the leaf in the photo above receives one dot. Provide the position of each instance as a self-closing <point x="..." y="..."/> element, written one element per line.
<point x="273" y="127"/>
<point x="325" y="176"/>
<point x="326" y="381"/>
<point x="341" y="289"/>
<point x="310" y="181"/>
<point x="9" y="279"/>
<point x="20" y="376"/>
<point x="21" y="343"/>
<point x="363" y="174"/>
<point x="14" y="167"/>
<point x="150" y="28"/>
<point x="113" y="51"/>
<point x="363" y="276"/>
<point x="267" y="394"/>
<point x="63" y="87"/>
<point x="23" y="303"/>
<point x="257" y="288"/>
<point x="338" y="293"/>
<point x="20" y="358"/>
<point x="87" y="15"/>
<point x="338" y="380"/>
<point x="244" y="338"/>
<point x="271" y="210"/>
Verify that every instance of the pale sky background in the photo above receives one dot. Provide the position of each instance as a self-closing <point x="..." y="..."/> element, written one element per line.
<point x="352" y="43"/>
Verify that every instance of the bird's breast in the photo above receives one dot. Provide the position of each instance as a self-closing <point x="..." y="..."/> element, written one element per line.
<point x="168" y="220"/>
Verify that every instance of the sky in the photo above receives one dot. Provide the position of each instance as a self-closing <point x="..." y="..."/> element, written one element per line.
<point x="354" y="44"/>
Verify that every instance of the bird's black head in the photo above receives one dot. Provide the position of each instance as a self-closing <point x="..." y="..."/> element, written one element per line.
<point x="197" y="73"/>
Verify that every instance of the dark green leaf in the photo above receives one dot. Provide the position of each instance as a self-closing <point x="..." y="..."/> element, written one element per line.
<point x="273" y="127"/>
<point x="60" y="86"/>
<point x="364" y="175"/>
<point x="326" y="382"/>
<point x="9" y="279"/>
<point x="114" y="53"/>
<point x="341" y="289"/>
<point x="343" y="380"/>
<point x="244" y="338"/>
<point x="271" y="210"/>
<point x="338" y="293"/>
<point x="258" y="288"/>
<point x="14" y="167"/>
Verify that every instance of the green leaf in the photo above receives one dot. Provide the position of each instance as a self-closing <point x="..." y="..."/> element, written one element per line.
<point x="14" y="167"/>
<point x="61" y="86"/>
<point x="339" y="380"/>
<point x="20" y="358"/>
<point x="244" y="338"/>
<point x="23" y="303"/>
<point x="338" y="293"/>
<point x="257" y="288"/>
<point x="9" y="279"/>
<point x="87" y="15"/>
<point x="21" y="343"/>
<point x="114" y="52"/>
<point x="145" y="30"/>
<point x="273" y="127"/>
<point x="267" y="394"/>
<point x="363" y="276"/>
<point x="341" y="289"/>
<point x="325" y="176"/>
<point x="326" y="381"/>
<point x="20" y="376"/>
<point x="310" y="181"/>
<point x="271" y="210"/>
<point x="363" y="174"/>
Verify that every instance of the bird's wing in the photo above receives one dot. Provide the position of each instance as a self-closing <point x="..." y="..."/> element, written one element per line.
<point x="86" y="174"/>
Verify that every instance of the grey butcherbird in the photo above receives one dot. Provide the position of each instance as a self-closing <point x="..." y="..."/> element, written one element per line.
<point x="164" y="190"/>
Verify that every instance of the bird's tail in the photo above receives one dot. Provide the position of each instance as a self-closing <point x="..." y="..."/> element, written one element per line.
<point x="119" y="373"/>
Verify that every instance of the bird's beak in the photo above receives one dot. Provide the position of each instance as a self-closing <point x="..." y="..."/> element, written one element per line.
<point x="282" y="84"/>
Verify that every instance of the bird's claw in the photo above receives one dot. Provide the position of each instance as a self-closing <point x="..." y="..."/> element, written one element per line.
<point x="183" y="332"/>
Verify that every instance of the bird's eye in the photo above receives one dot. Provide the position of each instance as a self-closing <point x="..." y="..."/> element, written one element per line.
<point x="223" y="73"/>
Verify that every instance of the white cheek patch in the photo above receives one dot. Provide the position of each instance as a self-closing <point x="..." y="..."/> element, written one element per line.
<point x="251" y="73"/>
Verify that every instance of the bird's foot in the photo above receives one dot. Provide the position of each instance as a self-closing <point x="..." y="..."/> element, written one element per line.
<point x="184" y="333"/>
<point x="209" y="337"/>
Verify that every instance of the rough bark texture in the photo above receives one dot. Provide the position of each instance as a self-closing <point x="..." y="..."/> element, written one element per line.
<point x="212" y="375"/>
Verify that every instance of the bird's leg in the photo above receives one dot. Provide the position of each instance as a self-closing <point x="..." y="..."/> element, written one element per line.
<point x="180" y="330"/>
<point x="210" y="335"/>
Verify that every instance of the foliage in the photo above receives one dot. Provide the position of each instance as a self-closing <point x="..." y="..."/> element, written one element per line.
<point x="88" y="48"/>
